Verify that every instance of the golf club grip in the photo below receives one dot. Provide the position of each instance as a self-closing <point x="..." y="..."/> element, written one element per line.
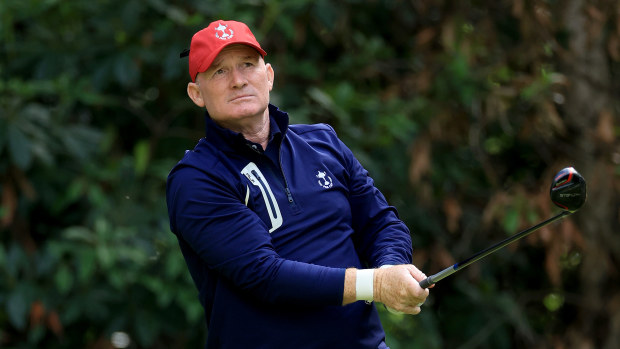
<point x="426" y="283"/>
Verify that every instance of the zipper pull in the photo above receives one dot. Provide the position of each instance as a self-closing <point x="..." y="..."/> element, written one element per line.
<point x="288" y="195"/>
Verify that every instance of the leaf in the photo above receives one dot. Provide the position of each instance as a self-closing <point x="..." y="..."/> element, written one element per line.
<point x="321" y="98"/>
<point x="63" y="280"/>
<point x="453" y="212"/>
<point x="80" y="141"/>
<point x="553" y="301"/>
<point x="174" y="265"/>
<point x="142" y="154"/>
<point x="80" y="233"/>
<point x="17" y="309"/>
<point x="104" y="257"/>
<point x="116" y="280"/>
<point x="605" y="127"/>
<point x="15" y="260"/>
<point x="8" y="204"/>
<point x="54" y="323"/>
<point x="126" y="70"/>
<point x="37" y="312"/>
<point x="420" y="164"/>
<point x="511" y="221"/>
<point x="3" y="130"/>
<point x="36" y="334"/>
<point x="19" y="147"/>
<point x="515" y="314"/>
<point x="146" y="330"/>
<point x="2" y="256"/>
<point x="71" y="195"/>
<point x="86" y="267"/>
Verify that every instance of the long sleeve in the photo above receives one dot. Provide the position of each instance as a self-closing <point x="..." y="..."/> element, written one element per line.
<point x="381" y="237"/>
<point x="232" y="241"/>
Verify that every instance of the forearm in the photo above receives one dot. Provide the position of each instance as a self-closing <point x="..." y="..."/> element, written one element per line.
<point x="348" y="295"/>
<point x="291" y="282"/>
<point x="360" y="284"/>
<point x="351" y="287"/>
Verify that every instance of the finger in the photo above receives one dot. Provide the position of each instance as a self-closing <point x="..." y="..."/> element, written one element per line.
<point x="416" y="273"/>
<point x="417" y="310"/>
<point x="411" y="310"/>
<point x="419" y="298"/>
<point x="393" y="311"/>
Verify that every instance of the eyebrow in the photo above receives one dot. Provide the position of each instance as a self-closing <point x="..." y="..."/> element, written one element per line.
<point x="218" y="62"/>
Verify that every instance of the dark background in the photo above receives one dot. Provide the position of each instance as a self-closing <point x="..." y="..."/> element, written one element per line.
<point x="462" y="111"/>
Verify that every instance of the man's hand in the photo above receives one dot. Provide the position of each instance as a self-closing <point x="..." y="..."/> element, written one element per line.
<point x="398" y="288"/>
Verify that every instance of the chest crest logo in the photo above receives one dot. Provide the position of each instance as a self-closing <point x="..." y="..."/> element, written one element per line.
<point x="325" y="181"/>
<point x="222" y="32"/>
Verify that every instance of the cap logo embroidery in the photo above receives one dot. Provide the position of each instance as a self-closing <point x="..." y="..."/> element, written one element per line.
<point x="226" y="34"/>
<point x="325" y="181"/>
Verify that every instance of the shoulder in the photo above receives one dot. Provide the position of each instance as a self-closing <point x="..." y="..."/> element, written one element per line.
<point x="305" y="128"/>
<point x="314" y="132"/>
<point x="203" y="158"/>
<point x="320" y="137"/>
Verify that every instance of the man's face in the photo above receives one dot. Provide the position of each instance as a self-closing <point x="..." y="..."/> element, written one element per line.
<point x="235" y="89"/>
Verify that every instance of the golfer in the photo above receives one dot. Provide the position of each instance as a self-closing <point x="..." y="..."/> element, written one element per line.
<point x="284" y="234"/>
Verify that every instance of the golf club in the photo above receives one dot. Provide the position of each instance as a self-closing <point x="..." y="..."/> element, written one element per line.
<point x="568" y="191"/>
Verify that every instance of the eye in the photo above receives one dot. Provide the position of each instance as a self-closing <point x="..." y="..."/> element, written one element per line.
<point x="219" y="73"/>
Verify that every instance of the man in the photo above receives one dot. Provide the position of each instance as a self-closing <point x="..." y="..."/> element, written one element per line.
<point x="279" y="224"/>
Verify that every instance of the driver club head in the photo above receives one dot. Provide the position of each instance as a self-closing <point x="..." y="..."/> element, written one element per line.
<point x="568" y="190"/>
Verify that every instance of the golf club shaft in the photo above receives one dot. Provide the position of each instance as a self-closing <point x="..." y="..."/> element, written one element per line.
<point x="478" y="256"/>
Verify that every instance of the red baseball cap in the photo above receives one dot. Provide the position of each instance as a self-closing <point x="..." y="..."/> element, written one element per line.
<point x="208" y="42"/>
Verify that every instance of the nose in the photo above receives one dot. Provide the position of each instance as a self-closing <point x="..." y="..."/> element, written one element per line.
<point x="238" y="79"/>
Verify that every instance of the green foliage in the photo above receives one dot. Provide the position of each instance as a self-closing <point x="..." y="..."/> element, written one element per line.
<point x="457" y="109"/>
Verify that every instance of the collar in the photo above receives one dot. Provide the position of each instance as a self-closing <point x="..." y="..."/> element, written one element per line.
<point x="228" y="140"/>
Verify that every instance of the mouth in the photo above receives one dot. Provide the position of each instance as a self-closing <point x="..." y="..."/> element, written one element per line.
<point x="240" y="98"/>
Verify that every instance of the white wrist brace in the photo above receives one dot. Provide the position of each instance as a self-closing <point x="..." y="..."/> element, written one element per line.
<point x="364" y="284"/>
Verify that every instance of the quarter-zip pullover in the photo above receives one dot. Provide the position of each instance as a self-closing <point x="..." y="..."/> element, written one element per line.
<point x="267" y="236"/>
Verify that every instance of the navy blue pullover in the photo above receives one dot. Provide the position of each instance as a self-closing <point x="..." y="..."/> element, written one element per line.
<point x="267" y="236"/>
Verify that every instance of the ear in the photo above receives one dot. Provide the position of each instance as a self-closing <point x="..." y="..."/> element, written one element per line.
<point x="193" y="91"/>
<point x="270" y="75"/>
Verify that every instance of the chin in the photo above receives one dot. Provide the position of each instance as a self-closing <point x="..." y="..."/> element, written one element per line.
<point x="249" y="110"/>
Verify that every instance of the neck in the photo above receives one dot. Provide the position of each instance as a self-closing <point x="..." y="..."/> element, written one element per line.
<point x="254" y="129"/>
<point x="258" y="133"/>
